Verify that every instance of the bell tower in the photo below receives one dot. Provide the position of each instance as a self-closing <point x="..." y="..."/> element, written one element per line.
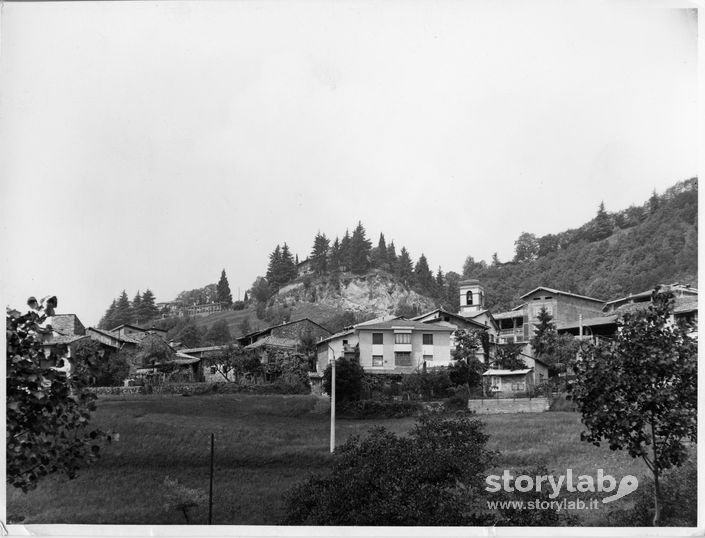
<point x="472" y="297"/>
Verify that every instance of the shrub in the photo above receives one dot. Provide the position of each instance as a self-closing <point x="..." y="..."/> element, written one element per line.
<point x="429" y="385"/>
<point x="679" y="493"/>
<point x="378" y="409"/>
<point x="433" y="476"/>
<point x="456" y="402"/>
<point x="348" y="380"/>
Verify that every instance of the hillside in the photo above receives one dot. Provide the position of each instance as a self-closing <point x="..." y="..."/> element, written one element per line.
<point x="608" y="257"/>
<point x="656" y="243"/>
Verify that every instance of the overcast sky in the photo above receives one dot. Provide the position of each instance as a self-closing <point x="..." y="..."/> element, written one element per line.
<point x="152" y="144"/>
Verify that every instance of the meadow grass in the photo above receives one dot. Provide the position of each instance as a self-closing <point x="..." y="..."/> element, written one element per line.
<point x="264" y="445"/>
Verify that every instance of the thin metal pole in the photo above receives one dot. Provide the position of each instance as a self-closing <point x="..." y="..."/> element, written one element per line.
<point x="332" y="408"/>
<point x="210" y="492"/>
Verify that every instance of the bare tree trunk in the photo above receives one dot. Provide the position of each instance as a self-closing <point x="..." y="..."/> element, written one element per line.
<point x="657" y="487"/>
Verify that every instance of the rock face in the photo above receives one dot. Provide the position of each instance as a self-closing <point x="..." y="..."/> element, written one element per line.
<point x="376" y="293"/>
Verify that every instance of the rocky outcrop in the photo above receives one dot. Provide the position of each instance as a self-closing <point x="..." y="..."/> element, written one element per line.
<point x="376" y="293"/>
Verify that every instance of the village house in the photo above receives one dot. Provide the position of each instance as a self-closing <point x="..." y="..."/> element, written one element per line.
<point x="390" y="345"/>
<point x="403" y="346"/>
<point x="510" y="382"/>
<point x="288" y="335"/>
<point x="517" y="325"/>
<point x="67" y="330"/>
<point x="685" y="308"/>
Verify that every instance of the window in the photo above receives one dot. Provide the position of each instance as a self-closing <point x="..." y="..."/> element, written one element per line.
<point x="213" y="369"/>
<point x="402" y="338"/>
<point x="345" y="342"/>
<point x="377" y="338"/>
<point x="427" y="339"/>
<point x="402" y="358"/>
<point x="468" y="298"/>
<point x="428" y="358"/>
<point x="377" y="360"/>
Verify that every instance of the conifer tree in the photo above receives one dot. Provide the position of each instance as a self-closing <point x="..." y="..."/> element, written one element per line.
<point x="109" y="317"/>
<point x="123" y="311"/>
<point x="223" y="294"/>
<point x="440" y="286"/>
<point x="319" y="254"/>
<point x="360" y="248"/>
<point x="148" y="308"/>
<point x="288" y="266"/>
<point x="392" y="258"/>
<point x="335" y="256"/>
<point x="405" y="268"/>
<point x="424" y="277"/>
<point x="379" y="254"/>
<point x="274" y="270"/>
<point x="137" y="308"/>
<point x="345" y="251"/>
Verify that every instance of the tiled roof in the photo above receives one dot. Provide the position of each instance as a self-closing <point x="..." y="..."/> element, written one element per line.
<point x="61" y="339"/>
<point x="443" y="312"/>
<point x="509" y="315"/>
<point x="507" y="372"/>
<point x="274" y="341"/>
<point x="406" y="324"/>
<point x="201" y="349"/>
<point x="559" y="292"/>
<point x="125" y="339"/>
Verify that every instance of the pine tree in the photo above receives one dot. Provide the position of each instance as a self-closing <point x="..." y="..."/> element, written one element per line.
<point x="246" y="298"/>
<point x="123" y="311"/>
<point x="360" y="248"/>
<point x="601" y="226"/>
<point x="109" y="317"/>
<point x="149" y="309"/>
<point x="379" y="254"/>
<point x="495" y="260"/>
<point x="289" y="271"/>
<point x="223" y="294"/>
<point x="345" y="260"/>
<point x="405" y="268"/>
<point x="334" y="264"/>
<point x="544" y="339"/>
<point x="424" y="277"/>
<point x="319" y="254"/>
<point x="136" y="308"/>
<point x="392" y="257"/>
<point x="274" y="270"/>
<point x="440" y="288"/>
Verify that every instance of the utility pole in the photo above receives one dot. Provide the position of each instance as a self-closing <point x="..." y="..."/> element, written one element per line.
<point x="332" y="403"/>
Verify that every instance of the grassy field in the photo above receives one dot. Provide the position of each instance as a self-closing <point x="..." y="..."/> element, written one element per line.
<point x="264" y="445"/>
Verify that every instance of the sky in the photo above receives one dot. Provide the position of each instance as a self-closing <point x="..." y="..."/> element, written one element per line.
<point x="153" y="144"/>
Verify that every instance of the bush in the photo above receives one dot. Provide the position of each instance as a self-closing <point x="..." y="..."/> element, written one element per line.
<point x="348" y="380"/>
<point x="433" y="476"/>
<point x="679" y="488"/>
<point x="428" y="385"/>
<point x="456" y="402"/>
<point x="378" y="409"/>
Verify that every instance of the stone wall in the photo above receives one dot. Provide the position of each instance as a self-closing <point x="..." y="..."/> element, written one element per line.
<point x="508" y="405"/>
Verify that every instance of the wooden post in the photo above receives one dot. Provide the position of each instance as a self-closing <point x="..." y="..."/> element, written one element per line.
<point x="210" y="491"/>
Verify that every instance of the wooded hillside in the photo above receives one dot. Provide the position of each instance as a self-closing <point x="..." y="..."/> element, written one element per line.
<point x="609" y="257"/>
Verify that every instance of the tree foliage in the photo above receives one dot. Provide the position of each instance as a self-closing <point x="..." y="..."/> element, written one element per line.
<point x="467" y="368"/>
<point x="433" y="476"/>
<point x="638" y="392"/>
<point x="224" y="296"/>
<point x="348" y="379"/>
<point x="47" y="411"/>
